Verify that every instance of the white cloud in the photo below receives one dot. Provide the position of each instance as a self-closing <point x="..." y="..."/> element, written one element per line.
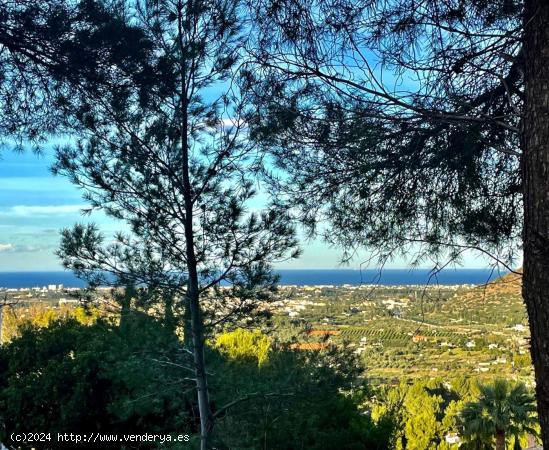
<point x="5" y="247"/>
<point x="226" y="123"/>
<point x="40" y="211"/>
<point x="233" y="122"/>
<point x="24" y="248"/>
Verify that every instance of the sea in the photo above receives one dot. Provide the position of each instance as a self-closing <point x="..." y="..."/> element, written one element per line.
<point x="299" y="277"/>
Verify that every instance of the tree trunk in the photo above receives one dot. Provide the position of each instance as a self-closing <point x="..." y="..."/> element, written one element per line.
<point x="196" y="319"/>
<point x="535" y="146"/>
<point x="195" y="313"/>
<point x="206" y="415"/>
<point x="193" y="294"/>
<point x="187" y="324"/>
<point x="500" y="440"/>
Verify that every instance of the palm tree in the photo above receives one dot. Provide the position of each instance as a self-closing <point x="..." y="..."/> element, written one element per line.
<point x="501" y="410"/>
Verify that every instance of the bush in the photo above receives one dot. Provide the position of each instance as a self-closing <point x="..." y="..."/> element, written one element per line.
<point x="70" y="377"/>
<point x="134" y="378"/>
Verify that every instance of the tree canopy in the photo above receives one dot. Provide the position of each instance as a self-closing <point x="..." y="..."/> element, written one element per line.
<point x="502" y="410"/>
<point x="396" y="121"/>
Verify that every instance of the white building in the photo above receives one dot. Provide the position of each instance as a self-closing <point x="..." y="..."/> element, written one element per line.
<point x="452" y="438"/>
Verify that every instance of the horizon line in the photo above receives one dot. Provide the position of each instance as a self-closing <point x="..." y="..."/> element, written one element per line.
<point x="296" y="269"/>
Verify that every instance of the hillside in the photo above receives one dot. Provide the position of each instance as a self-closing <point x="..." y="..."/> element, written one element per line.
<point x="499" y="302"/>
<point x="412" y="332"/>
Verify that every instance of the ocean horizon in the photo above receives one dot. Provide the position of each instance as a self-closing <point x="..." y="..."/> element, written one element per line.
<point x="300" y="277"/>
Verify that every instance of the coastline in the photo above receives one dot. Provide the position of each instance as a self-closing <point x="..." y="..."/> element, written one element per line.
<point x="293" y="277"/>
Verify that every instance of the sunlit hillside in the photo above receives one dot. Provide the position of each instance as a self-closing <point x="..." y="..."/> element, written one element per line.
<point x="498" y="302"/>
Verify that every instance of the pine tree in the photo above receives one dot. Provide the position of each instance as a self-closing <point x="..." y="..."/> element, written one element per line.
<point x="165" y="150"/>
<point x="417" y="128"/>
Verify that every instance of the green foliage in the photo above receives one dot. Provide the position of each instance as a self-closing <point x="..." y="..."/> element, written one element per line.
<point x="418" y="411"/>
<point x="69" y="377"/>
<point x="429" y="334"/>
<point x="135" y="378"/>
<point x="501" y="409"/>
<point x="243" y="344"/>
<point x="295" y="400"/>
<point x="42" y="316"/>
<point x="425" y="412"/>
<point x="150" y="134"/>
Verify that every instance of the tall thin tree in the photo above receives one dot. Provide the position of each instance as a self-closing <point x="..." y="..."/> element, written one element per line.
<point x="168" y="155"/>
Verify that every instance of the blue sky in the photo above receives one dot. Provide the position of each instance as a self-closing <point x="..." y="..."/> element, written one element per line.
<point x="35" y="206"/>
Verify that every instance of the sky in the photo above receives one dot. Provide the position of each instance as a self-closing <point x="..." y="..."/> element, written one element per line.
<point x="35" y="206"/>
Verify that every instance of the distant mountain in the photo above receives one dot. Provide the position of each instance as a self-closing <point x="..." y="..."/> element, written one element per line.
<point x="497" y="302"/>
<point x="507" y="285"/>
